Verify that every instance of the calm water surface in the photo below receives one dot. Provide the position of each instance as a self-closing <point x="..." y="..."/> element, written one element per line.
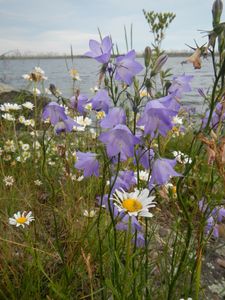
<point x="11" y="72"/>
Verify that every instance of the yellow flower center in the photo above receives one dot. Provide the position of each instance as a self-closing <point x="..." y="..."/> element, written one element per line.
<point x="21" y="220"/>
<point x="132" y="205"/>
<point x="174" y="189"/>
<point x="175" y="129"/>
<point x="100" y="115"/>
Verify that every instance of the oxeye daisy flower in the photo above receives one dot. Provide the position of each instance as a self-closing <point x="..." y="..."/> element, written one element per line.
<point x="21" y="219"/>
<point x="136" y="203"/>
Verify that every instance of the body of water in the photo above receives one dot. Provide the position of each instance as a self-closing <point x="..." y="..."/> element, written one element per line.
<point x="11" y="71"/>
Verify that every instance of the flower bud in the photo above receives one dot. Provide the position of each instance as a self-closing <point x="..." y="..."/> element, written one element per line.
<point x="148" y="53"/>
<point x="217" y="9"/>
<point x="160" y="62"/>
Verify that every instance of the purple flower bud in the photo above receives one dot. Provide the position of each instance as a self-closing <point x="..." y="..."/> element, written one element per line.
<point x="160" y="62"/>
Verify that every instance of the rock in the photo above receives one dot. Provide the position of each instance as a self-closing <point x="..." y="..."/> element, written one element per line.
<point x="221" y="262"/>
<point x="5" y="88"/>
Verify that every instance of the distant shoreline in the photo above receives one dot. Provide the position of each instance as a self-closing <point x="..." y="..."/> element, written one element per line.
<point x="6" y="57"/>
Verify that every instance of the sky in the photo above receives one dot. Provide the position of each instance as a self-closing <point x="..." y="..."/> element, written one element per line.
<point x="47" y="26"/>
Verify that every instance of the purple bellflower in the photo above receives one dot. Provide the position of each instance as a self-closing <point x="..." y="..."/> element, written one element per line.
<point x="125" y="180"/>
<point x="157" y="117"/>
<point x="65" y="125"/>
<point x="213" y="217"/>
<point x="87" y="162"/>
<point x="127" y="67"/>
<point x="78" y="103"/>
<point x="123" y="223"/>
<point x="54" y="112"/>
<point x="119" y="140"/>
<point x="100" y="51"/>
<point x="101" y="101"/>
<point x="145" y="157"/>
<point x="217" y="115"/>
<point x="180" y="84"/>
<point x="162" y="171"/>
<point x="115" y="116"/>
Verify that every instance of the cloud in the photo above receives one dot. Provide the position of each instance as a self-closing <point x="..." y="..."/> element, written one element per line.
<point x="56" y="41"/>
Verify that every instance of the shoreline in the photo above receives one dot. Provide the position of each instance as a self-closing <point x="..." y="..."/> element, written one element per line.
<point x="6" y="57"/>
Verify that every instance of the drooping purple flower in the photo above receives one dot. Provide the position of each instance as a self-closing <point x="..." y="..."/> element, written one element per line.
<point x="127" y="67"/>
<point x="87" y="162"/>
<point x="170" y="102"/>
<point x="119" y="140"/>
<point x="123" y="223"/>
<point x="124" y="180"/>
<point x="140" y="240"/>
<point x="65" y="125"/>
<point x="214" y="216"/>
<point x="101" y="101"/>
<point x="157" y="116"/>
<point x="115" y="116"/>
<point x="100" y="51"/>
<point x="217" y="115"/>
<point x="180" y="84"/>
<point x="145" y="157"/>
<point x="54" y="112"/>
<point x="162" y="171"/>
<point x="221" y="214"/>
<point x="78" y="103"/>
<point x="211" y="226"/>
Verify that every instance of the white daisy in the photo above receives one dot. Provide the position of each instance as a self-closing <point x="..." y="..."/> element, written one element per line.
<point x="10" y="106"/>
<point x="9" y="180"/>
<point x="25" y="147"/>
<point x="21" y="219"/>
<point x="28" y="105"/>
<point x="89" y="214"/>
<point x="8" y="117"/>
<point x="37" y="182"/>
<point x="136" y="203"/>
<point x="36" y="91"/>
<point x="143" y="175"/>
<point x="74" y="74"/>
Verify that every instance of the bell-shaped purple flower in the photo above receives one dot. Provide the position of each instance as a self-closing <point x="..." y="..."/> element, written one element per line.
<point x="125" y="180"/>
<point x="100" y="51"/>
<point x="145" y="157"/>
<point x="119" y="140"/>
<point x="101" y="101"/>
<point x="157" y="116"/>
<point x="127" y="67"/>
<point x="65" y="125"/>
<point x="180" y="84"/>
<point x="54" y="112"/>
<point x="87" y="162"/>
<point x="162" y="171"/>
<point x="124" y="220"/>
<point x="140" y="240"/>
<point x="79" y="103"/>
<point x="217" y="116"/>
<point x="115" y="116"/>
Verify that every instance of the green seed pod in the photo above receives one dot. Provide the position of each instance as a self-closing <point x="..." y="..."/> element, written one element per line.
<point x="217" y="9"/>
<point x="148" y="53"/>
